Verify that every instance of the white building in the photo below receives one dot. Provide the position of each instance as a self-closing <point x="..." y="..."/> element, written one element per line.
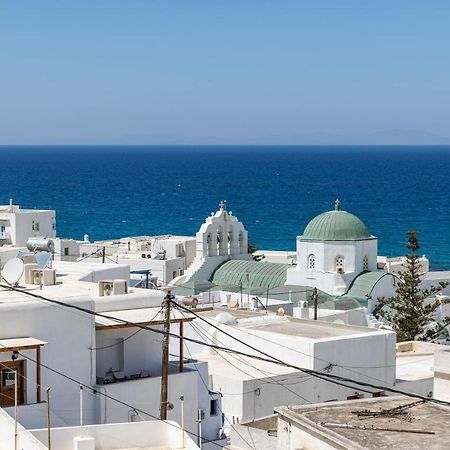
<point x="336" y="254"/>
<point x="166" y="256"/>
<point x="116" y="359"/>
<point x="18" y="225"/>
<point x="252" y="388"/>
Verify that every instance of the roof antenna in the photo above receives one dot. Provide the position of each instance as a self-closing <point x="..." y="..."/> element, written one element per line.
<point x="337" y="205"/>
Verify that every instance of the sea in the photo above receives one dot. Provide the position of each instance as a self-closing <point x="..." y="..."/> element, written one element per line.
<point x="116" y="191"/>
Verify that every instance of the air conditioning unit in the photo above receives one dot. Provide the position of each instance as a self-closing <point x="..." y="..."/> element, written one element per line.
<point x="46" y="277"/>
<point x="112" y="287"/>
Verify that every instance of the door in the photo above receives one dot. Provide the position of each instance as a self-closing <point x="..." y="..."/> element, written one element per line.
<point x="8" y="381"/>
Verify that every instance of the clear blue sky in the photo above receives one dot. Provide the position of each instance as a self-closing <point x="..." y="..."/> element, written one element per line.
<point x="226" y="71"/>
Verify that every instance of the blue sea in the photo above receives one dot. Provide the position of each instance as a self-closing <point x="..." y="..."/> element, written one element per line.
<point x="110" y="192"/>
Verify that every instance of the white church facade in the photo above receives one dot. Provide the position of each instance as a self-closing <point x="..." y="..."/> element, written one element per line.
<point x="221" y="237"/>
<point x="335" y="250"/>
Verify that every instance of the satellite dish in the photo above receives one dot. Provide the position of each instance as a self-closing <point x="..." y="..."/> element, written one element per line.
<point x="13" y="271"/>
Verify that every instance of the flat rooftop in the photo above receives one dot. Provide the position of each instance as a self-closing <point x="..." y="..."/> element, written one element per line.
<point x="242" y="368"/>
<point x="415" y="360"/>
<point x="140" y="239"/>
<point x="287" y="325"/>
<point x="68" y="282"/>
<point x="420" y="426"/>
<point x="439" y="275"/>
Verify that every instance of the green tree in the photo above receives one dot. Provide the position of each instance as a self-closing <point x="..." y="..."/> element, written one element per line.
<point x="410" y="311"/>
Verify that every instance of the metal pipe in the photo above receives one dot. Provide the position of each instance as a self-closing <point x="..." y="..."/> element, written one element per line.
<point x="49" y="442"/>
<point x="81" y="409"/>
<point x="182" y="420"/>
<point x="16" y="434"/>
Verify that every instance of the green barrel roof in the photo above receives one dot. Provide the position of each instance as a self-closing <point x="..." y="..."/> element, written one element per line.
<point x="250" y="274"/>
<point x="336" y="225"/>
<point x="362" y="286"/>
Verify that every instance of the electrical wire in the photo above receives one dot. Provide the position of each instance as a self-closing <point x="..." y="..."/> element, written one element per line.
<point x="253" y="367"/>
<point x="335" y="379"/>
<point x="128" y="337"/>
<point x="209" y="393"/>
<point x="349" y="368"/>
<point x="327" y="377"/>
<point x="96" y="391"/>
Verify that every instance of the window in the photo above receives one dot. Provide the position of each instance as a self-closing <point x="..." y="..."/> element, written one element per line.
<point x="66" y="251"/>
<point x="340" y="264"/>
<point x="36" y="226"/>
<point x="32" y="225"/>
<point x="2" y="228"/>
<point x="174" y="274"/>
<point x="213" y="408"/>
<point x="365" y="263"/>
<point x="311" y="262"/>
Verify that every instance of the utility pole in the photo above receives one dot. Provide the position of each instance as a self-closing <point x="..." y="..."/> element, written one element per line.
<point x="165" y="357"/>
<point x="315" y="297"/>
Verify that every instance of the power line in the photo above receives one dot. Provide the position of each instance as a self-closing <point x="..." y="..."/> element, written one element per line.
<point x="326" y="377"/>
<point x="207" y="387"/>
<point x="253" y="367"/>
<point x="96" y="391"/>
<point x="349" y="368"/>
<point x="128" y="337"/>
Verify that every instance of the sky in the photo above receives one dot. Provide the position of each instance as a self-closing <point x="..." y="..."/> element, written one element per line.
<point x="224" y="72"/>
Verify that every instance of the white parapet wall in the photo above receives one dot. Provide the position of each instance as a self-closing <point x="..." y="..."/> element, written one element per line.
<point x="120" y="436"/>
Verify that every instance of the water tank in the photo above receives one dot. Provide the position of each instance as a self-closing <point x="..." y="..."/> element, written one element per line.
<point x="40" y="244"/>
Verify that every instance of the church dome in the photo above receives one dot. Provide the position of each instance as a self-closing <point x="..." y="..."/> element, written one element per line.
<point x="336" y="225"/>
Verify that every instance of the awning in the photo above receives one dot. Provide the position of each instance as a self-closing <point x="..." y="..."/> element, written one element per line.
<point x="27" y="343"/>
<point x="140" y="316"/>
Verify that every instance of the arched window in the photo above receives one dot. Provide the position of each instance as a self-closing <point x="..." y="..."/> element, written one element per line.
<point x="241" y="242"/>
<point x="339" y="264"/>
<point x="219" y="243"/>
<point x="311" y="262"/>
<point x="366" y="263"/>
<point x="208" y="244"/>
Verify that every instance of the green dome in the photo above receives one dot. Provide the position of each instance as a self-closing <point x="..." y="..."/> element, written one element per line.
<point x="336" y="225"/>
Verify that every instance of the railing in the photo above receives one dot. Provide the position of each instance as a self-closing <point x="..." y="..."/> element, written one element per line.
<point x="4" y="234"/>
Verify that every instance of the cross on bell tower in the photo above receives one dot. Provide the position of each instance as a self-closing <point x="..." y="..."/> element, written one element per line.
<point x="223" y="205"/>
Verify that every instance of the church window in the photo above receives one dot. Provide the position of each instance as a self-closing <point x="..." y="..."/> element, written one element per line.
<point x="230" y="242"/>
<point x="339" y="264"/>
<point x="311" y="262"/>
<point x="241" y="242"/>
<point x="208" y="244"/>
<point x="219" y="242"/>
<point x="365" y="263"/>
